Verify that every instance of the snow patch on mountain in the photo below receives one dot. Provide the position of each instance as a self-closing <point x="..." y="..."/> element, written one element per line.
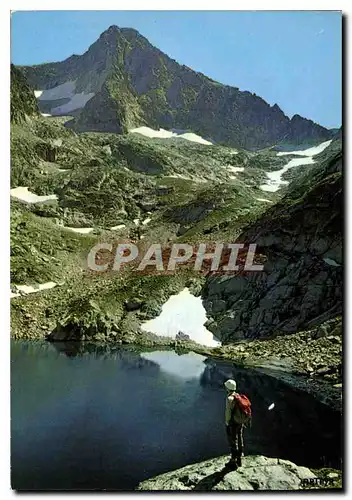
<point x="64" y="91"/>
<point x="274" y="178"/>
<point x="235" y="169"/>
<point x="264" y="200"/>
<point x="183" y="312"/>
<point x="77" y="101"/>
<point x="81" y="230"/>
<point x="22" y="193"/>
<point x="307" y="152"/>
<point x="26" y="289"/>
<point x="168" y="134"/>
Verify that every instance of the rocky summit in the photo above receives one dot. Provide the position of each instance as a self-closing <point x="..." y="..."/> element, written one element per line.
<point x="122" y="82"/>
<point x="256" y="473"/>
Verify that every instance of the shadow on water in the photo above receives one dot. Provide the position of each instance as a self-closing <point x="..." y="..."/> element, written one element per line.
<point x="106" y="417"/>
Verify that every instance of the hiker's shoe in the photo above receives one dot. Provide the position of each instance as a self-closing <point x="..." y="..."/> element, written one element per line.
<point x="231" y="465"/>
<point x="239" y="462"/>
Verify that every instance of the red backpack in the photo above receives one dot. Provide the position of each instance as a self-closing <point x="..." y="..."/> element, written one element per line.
<point x="241" y="410"/>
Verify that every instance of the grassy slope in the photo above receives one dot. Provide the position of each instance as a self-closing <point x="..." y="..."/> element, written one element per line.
<point x="111" y="180"/>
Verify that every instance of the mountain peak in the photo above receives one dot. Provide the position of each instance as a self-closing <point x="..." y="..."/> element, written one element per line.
<point x="111" y="29"/>
<point x="134" y="84"/>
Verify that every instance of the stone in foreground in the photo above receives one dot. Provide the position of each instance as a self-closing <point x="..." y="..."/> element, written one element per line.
<point x="257" y="473"/>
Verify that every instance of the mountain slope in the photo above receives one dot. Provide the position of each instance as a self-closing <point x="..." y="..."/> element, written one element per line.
<point x="301" y="240"/>
<point x="23" y="102"/>
<point x="123" y="81"/>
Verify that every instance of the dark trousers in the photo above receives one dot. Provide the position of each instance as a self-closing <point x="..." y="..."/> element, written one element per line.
<point x="235" y="438"/>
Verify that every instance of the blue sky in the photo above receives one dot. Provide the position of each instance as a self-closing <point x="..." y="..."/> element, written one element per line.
<point x="289" y="58"/>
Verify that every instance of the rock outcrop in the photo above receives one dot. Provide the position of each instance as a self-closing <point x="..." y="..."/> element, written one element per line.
<point x="122" y="82"/>
<point x="256" y="473"/>
<point x="23" y="102"/>
<point x="300" y="240"/>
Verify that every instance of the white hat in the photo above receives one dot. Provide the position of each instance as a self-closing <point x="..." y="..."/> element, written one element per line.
<point x="230" y="385"/>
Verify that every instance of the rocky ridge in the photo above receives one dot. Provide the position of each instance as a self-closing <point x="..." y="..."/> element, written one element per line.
<point x="124" y="82"/>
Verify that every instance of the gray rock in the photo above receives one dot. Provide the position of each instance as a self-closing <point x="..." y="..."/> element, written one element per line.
<point x="218" y="306"/>
<point x="182" y="336"/>
<point x="57" y="142"/>
<point x="301" y="284"/>
<point x="133" y="305"/>
<point x="256" y="473"/>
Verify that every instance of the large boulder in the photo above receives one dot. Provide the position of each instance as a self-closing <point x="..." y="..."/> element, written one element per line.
<point x="257" y="473"/>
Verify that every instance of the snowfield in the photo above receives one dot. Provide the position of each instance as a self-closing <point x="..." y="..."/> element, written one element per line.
<point x="264" y="200"/>
<point x="77" y="101"/>
<point x="23" y="194"/>
<point x="235" y="169"/>
<point x="81" y="230"/>
<point x="64" y="91"/>
<point x="307" y="152"/>
<point x="183" y="312"/>
<point x="26" y="289"/>
<point x="168" y="134"/>
<point x="274" y="178"/>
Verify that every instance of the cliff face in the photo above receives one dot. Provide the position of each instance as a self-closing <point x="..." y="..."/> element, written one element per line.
<point x="23" y="102"/>
<point x="301" y="284"/>
<point x="125" y="82"/>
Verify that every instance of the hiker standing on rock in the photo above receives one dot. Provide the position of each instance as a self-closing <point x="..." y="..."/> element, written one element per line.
<point x="238" y="415"/>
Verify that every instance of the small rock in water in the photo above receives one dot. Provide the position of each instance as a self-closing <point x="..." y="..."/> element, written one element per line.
<point x="271" y="406"/>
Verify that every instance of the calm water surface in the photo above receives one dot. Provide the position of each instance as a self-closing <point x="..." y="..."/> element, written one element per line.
<point x="101" y="418"/>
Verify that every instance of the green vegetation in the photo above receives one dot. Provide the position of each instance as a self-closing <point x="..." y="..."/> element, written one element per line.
<point x="101" y="181"/>
<point x="331" y="478"/>
<point x="42" y="251"/>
